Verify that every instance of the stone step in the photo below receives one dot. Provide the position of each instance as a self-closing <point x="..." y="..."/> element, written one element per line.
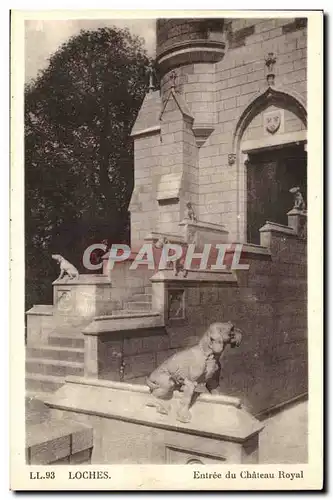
<point x="138" y="306"/>
<point x="66" y="340"/>
<point x="56" y="352"/>
<point x="43" y="383"/>
<point x="58" y="441"/>
<point x="141" y="297"/>
<point x="53" y="367"/>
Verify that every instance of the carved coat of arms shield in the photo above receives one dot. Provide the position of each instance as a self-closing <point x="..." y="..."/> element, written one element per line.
<point x="273" y="122"/>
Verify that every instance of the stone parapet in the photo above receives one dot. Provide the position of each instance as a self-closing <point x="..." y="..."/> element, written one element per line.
<point x="272" y="227"/>
<point x="220" y="431"/>
<point x="203" y="232"/>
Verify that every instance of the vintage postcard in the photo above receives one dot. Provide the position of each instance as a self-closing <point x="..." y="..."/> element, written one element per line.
<point x="167" y="215"/>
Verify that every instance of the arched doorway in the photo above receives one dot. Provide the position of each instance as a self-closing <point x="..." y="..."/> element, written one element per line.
<point x="269" y="161"/>
<point x="270" y="174"/>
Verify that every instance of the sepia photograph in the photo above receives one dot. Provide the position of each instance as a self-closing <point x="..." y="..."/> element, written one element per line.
<point x="167" y="210"/>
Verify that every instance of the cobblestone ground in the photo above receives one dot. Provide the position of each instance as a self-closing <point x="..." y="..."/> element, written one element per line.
<point x="285" y="437"/>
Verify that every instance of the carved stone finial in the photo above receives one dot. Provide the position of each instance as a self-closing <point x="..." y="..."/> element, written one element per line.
<point x="270" y="61"/>
<point x="231" y="158"/>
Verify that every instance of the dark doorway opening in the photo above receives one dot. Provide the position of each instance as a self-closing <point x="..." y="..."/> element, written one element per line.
<point x="270" y="175"/>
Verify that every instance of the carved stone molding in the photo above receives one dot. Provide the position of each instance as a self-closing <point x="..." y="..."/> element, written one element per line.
<point x="270" y="61"/>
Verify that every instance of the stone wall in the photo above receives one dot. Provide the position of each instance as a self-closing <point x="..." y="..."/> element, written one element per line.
<point x="268" y="304"/>
<point x="238" y="79"/>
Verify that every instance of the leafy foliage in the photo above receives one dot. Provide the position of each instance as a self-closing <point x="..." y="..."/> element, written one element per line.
<point x="78" y="152"/>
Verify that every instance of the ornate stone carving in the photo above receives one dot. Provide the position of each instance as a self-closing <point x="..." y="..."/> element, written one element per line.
<point x="270" y="61"/>
<point x="190" y="213"/>
<point x="186" y="369"/>
<point x="65" y="267"/>
<point x="176" y="304"/>
<point x="64" y="300"/>
<point x="272" y="121"/>
<point x="231" y="158"/>
<point x="299" y="203"/>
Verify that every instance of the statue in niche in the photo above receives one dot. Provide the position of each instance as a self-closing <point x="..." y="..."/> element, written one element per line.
<point x="190" y="213"/>
<point x="186" y="369"/>
<point x="65" y="267"/>
<point x="299" y="203"/>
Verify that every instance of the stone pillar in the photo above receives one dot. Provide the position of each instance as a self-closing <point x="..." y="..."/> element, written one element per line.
<point x="297" y="219"/>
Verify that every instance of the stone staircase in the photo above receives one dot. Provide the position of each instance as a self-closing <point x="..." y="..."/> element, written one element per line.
<point x="140" y="302"/>
<point x="49" y="364"/>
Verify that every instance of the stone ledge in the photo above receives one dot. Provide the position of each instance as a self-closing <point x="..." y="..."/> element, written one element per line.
<point x="277" y="228"/>
<point x="123" y="322"/>
<point x="212" y="416"/>
<point x="218" y="228"/>
<point x="147" y="131"/>
<point x="195" y="276"/>
<point x="84" y="279"/>
<point x="210" y="398"/>
<point x="41" y="310"/>
<point x="153" y="236"/>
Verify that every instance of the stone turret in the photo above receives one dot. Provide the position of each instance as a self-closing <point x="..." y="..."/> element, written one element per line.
<point x="184" y="48"/>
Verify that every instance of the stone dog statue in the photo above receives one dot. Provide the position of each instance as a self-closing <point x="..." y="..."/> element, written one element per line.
<point x="184" y="370"/>
<point x="299" y="203"/>
<point x="65" y="267"/>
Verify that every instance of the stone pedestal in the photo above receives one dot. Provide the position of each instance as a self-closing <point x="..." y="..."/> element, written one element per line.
<point x="270" y="229"/>
<point x="74" y="302"/>
<point x="86" y="297"/>
<point x="203" y="232"/>
<point x="126" y="430"/>
<point x="297" y="219"/>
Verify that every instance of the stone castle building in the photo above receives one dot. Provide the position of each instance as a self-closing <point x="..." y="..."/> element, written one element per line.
<point x="226" y="131"/>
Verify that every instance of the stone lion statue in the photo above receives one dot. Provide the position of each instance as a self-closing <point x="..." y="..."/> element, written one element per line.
<point x="185" y="369"/>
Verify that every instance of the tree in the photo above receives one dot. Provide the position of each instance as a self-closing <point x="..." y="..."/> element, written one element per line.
<point x="78" y="152"/>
